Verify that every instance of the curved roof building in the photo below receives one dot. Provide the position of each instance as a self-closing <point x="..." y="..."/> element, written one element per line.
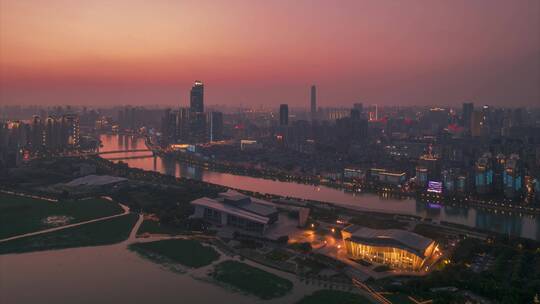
<point x="393" y="247"/>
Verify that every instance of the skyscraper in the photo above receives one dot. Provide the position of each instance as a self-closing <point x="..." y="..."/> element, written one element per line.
<point x="198" y="119"/>
<point x="197" y="97"/>
<point x="313" y="101"/>
<point x="466" y="115"/>
<point x="513" y="183"/>
<point x="72" y="132"/>
<point x="484" y="174"/>
<point x="283" y="115"/>
<point x="168" y="127"/>
<point x="182" y="124"/>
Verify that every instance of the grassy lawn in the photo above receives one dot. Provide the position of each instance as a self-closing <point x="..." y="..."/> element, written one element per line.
<point x="252" y="280"/>
<point x="19" y="215"/>
<point x="100" y="233"/>
<point x="153" y="227"/>
<point x="333" y="296"/>
<point x="278" y="255"/>
<point x="189" y="253"/>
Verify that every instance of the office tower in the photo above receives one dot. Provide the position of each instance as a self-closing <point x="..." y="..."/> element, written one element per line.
<point x="197" y="97"/>
<point x="466" y="115"/>
<point x="198" y="118"/>
<point x="313" y="102"/>
<point x="215" y="126"/>
<point x="484" y="174"/>
<point x="283" y="115"/>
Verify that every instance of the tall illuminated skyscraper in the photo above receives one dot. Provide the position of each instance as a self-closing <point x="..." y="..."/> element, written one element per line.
<point x="198" y="118"/>
<point x="197" y="97"/>
<point x="484" y="174"/>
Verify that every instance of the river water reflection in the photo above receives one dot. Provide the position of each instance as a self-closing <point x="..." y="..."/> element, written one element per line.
<point x="525" y="226"/>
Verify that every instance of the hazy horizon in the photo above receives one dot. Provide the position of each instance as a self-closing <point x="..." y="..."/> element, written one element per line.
<point x="254" y="53"/>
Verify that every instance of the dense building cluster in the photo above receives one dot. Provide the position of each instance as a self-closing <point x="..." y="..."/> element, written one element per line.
<point x="19" y="139"/>
<point x="193" y="124"/>
<point x="468" y="152"/>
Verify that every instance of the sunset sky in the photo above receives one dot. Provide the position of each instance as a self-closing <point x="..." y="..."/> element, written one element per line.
<point x="269" y="52"/>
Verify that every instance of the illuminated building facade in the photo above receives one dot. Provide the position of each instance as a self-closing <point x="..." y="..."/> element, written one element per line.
<point x="198" y="118"/>
<point x="421" y="176"/>
<point x="484" y="174"/>
<point x="512" y="179"/>
<point x="395" y="248"/>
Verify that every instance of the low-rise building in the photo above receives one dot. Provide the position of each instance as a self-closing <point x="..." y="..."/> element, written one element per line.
<point x="385" y="177"/>
<point x="236" y="210"/>
<point x="393" y="247"/>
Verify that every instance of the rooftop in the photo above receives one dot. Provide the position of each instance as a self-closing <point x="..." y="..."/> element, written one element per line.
<point x="247" y="203"/>
<point x="235" y="203"/>
<point x="95" y="180"/>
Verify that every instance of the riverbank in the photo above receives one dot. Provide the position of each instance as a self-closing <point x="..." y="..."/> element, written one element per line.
<point x="228" y="168"/>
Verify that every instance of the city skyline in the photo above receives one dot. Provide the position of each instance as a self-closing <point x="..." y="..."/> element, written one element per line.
<point x="270" y="53"/>
<point x="302" y="152"/>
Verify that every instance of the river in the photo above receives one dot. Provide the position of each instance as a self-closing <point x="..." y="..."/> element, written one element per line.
<point x="527" y="226"/>
<point x="113" y="274"/>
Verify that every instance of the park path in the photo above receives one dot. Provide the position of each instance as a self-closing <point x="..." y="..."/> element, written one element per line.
<point x="124" y="207"/>
<point x="29" y="196"/>
<point x="133" y="233"/>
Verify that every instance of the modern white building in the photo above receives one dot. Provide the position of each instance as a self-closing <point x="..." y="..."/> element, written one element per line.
<point x="236" y="210"/>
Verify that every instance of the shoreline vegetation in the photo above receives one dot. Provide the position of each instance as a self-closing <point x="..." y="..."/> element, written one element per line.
<point x="249" y="279"/>
<point x="325" y="296"/>
<point x="186" y="252"/>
